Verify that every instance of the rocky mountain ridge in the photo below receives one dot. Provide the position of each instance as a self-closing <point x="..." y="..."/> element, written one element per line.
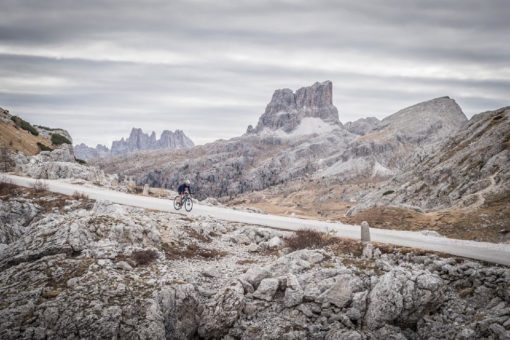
<point x="298" y="136"/>
<point x="467" y="170"/>
<point x="137" y="141"/>
<point x="287" y="109"/>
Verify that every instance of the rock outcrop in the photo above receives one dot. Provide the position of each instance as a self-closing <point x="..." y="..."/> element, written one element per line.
<point x="84" y="269"/>
<point x="362" y="126"/>
<point x="137" y="141"/>
<point x="384" y="151"/>
<point x="287" y="109"/>
<point x="469" y="170"/>
<point x="58" y="164"/>
<point x="84" y="152"/>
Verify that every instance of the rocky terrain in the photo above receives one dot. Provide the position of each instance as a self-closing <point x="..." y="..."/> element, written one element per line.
<point x="137" y="141"/>
<point x="460" y="190"/>
<point x="468" y="170"/>
<point x="298" y="136"/>
<point x="74" y="268"/>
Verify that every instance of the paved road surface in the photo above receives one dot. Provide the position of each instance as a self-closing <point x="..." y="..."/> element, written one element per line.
<point x="495" y="253"/>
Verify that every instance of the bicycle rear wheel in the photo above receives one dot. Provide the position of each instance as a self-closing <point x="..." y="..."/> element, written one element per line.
<point x="188" y="204"/>
<point x="177" y="202"/>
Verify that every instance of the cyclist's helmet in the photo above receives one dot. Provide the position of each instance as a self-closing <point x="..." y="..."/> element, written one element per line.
<point x="187" y="181"/>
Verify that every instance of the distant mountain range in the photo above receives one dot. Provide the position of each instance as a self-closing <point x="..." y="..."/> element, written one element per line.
<point x="300" y="136"/>
<point x="137" y="141"/>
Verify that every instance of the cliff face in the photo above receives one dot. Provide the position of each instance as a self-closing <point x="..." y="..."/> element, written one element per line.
<point x="469" y="170"/>
<point x="287" y="109"/>
<point x="137" y="141"/>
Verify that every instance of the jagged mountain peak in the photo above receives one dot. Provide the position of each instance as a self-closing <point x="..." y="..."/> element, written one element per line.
<point x="137" y="141"/>
<point x="287" y="108"/>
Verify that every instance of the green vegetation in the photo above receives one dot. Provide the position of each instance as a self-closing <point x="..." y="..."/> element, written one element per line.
<point x="46" y="128"/>
<point x="80" y="161"/>
<point x="43" y="147"/>
<point x="23" y="124"/>
<point x="389" y="192"/>
<point x="57" y="139"/>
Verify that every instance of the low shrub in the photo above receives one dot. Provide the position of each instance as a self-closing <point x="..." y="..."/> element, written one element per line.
<point x="43" y="147"/>
<point x="144" y="257"/>
<point x="57" y="139"/>
<point x="24" y="125"/>
<point x="80" y="161"/>
<point x="80" y="196"/>
<point x="389" y="192"/>
<point x="308" y="239"/>
<point x="40" y="186"/>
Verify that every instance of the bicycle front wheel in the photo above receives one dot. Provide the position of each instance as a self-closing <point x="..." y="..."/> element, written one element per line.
<point x="177" y="202"/>
<point x="188" y="204"/>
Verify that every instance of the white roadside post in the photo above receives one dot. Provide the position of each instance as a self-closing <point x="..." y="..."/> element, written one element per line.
<point x="368" y="249"/>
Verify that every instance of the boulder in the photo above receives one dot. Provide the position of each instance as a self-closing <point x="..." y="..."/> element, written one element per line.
<point x="403" y="296"/>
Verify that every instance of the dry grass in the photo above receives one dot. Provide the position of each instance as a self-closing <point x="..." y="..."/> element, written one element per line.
<point x="308" y="239"/>
<point x="79" y="196"/>
<point x="246" y="261"/>
<point x="7" y="188"/>
<point x="144" y="257"/>
<point x="196" y="235"/>
<point x="193" y="250"/>
<point x="40" y="186"/>
<point x="21" y="140"/>
<point x="487" y="223"/>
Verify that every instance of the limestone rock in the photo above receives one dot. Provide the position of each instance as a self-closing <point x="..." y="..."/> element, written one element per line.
<point x="403" y="296"/>
<point x="266" y="289"/>
<point x="362" y="126"/>
<point x="287" y="109"/>
<point x="220" y="315"/>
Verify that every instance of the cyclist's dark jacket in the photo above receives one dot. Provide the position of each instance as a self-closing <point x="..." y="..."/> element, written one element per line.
<point x="183" y="188"/>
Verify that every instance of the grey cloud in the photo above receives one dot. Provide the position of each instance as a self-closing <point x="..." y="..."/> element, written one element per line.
<point x="99" y="99"/>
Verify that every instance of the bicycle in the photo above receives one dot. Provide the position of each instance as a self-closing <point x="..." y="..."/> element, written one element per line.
<point x="185" y="200"/>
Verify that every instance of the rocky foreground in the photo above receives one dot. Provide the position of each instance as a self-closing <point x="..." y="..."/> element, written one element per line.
<point x="74" y="268"/>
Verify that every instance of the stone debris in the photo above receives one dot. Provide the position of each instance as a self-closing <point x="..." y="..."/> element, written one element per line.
<point x="111" y="271"/>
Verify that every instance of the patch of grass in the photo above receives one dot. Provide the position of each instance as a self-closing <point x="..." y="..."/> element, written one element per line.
<point x="342" y="246"/>
<point x="7" y="188"/>
<point x="46" y="128"/>
<point x="43" y="147"/>
<point x="389" y="192"/>
<point x="193" y="250"/>
<point x="196" y="235"/>
<point x="144" y="257"/>
<point x="308" y="239"/>
<point x="57" y="139"/>
<point x="246" y="261"/>
<point x="79" y="196"/>
<point x="23" y="124"/>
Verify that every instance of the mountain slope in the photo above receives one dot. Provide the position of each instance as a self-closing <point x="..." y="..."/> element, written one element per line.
<point x="384" y="151"/>
<point x="468" y="168"/>
<point x="19" y="135"/>
<point x="298" y="137"/>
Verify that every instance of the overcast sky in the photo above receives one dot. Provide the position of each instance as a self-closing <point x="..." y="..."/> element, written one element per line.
<point x="99" y="68"/>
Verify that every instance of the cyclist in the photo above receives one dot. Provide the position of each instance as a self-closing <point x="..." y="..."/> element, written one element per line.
<point x="184" y="187"/>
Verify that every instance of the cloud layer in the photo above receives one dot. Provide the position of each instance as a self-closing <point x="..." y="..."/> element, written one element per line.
<point x="98" y="68"/>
